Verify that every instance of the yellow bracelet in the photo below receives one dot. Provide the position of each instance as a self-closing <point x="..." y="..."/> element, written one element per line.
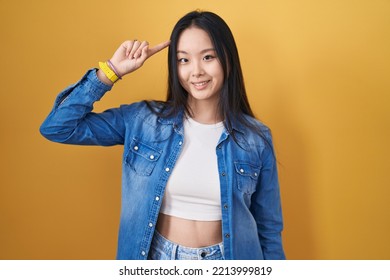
<point x="108" y="72"/>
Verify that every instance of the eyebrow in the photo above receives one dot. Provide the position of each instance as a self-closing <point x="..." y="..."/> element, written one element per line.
<point x="203" y="51"/>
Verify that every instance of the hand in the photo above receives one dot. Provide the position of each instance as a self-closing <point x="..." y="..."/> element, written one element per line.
<point x="131" y="55"/>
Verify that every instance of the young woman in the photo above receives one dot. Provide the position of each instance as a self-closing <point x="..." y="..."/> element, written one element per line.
<point x="199" y="171"/>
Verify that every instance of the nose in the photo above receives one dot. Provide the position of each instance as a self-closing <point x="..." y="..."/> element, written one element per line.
<point x="197" y="70"/>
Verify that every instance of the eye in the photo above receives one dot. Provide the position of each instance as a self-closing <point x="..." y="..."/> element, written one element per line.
<point x="208" y="57"/>
<point x="182" y="60"/>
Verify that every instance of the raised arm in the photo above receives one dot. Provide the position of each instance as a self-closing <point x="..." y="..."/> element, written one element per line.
<point x="130" y="56"/>
<point x="72" y="121"/>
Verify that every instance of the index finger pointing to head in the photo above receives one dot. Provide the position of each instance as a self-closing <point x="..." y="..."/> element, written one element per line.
<point x="158" y="48"/>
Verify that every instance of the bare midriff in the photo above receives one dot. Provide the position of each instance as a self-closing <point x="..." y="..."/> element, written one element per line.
<point x="190" y="233"/>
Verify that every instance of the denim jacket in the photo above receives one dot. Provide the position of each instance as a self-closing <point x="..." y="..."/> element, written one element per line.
<point x="250" y="198"/>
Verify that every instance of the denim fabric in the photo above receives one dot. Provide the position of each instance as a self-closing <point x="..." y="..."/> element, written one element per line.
<point x="164" y="249"/>
<point x="250" y="199"/>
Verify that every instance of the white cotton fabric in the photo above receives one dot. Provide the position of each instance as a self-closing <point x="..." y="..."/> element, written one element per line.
<point x="193" y="189"/>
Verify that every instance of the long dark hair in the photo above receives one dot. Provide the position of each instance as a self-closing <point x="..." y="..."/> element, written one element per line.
<point x="233" y="101"/>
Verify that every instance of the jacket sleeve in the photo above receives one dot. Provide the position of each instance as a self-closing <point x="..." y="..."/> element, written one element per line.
<point x="72" y="121"/>
<point x="266" y="206"/>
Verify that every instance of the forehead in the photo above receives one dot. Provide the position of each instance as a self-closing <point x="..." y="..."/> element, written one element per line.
<point x="193" y="39"/>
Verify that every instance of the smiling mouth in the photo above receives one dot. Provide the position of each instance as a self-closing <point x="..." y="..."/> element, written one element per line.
<point x="201" y="85"/>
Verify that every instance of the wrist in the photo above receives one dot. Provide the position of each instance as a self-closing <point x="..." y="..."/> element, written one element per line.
<point x="114" y="69"/>
<point x="109" y="71"/>
<point x="103" y="78"/>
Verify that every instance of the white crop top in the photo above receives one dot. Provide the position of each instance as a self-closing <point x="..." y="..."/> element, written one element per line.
<point x="193" y="189"/>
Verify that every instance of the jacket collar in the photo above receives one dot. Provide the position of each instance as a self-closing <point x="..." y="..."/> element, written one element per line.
<point x="176" y="120"/>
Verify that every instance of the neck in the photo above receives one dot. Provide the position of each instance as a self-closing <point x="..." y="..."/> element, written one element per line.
<point x="204" y="111"/>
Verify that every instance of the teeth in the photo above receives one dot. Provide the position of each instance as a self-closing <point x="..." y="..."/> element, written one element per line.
<point x="200" y="84"/>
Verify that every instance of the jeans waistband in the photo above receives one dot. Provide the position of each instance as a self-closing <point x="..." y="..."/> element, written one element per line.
<point x="164" y="249"/>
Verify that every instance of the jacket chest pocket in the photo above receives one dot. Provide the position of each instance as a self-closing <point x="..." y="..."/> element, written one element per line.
<point x="142" y="157"/>
<point x="247" y="176"/>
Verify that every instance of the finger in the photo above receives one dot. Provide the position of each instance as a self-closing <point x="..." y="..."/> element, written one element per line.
<point x="134" y="48"/>
<point x="158" y="48"/>
<point x="140" y="50"/>
<point x="144" y="54"/>
<point x="127" y="45"/>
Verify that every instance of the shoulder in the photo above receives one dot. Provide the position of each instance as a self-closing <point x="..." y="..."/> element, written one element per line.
<point x="143" y="107"/>
<point x="257" y="128"/>
<point x="255" y="136"/>
<point x="146" y="111"/>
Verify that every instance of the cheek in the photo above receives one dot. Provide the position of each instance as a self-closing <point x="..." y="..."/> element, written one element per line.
<point x="219" y="76"/>
<point x="181" y="74"/>
<point x="183" y="78"/>
<point x="216" y="71"/>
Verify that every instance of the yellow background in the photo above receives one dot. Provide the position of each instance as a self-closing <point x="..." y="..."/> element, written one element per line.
<point x="317" y="72"/>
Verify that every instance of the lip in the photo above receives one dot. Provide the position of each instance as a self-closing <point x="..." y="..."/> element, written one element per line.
<point x="200" y="85"/>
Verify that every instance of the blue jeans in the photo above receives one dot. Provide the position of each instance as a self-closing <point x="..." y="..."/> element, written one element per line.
<point x="163" y="249"/>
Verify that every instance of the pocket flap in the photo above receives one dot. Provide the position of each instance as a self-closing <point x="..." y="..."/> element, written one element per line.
<point x="144" y="150"/>
<point x="247" y="169"/>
